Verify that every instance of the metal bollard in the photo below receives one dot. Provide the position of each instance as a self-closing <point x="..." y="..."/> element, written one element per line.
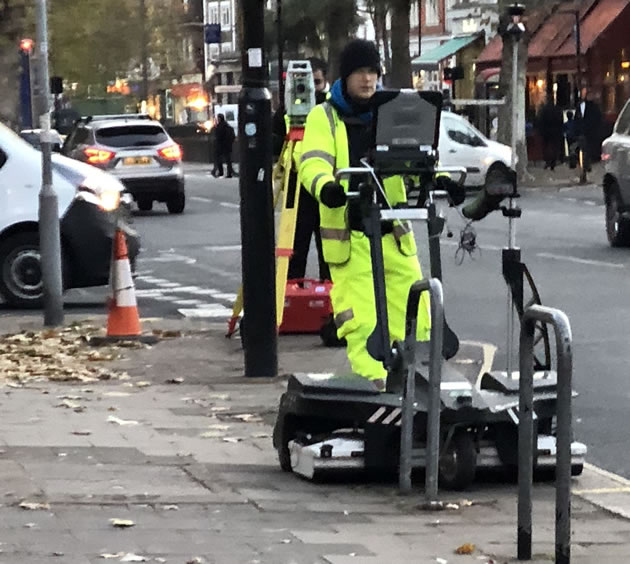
<point x="562" y="328"/>
<point x="434" y="287"/>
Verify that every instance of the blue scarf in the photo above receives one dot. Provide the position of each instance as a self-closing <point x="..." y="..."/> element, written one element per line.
<point x="344" y="106"/>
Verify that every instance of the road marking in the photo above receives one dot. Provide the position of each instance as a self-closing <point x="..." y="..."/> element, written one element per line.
<point x="201" y="199"/>
<point x="581" y="261"/>
<point x="222" y="248"/>
<point x="602" y="491"/>
<point x="171" y="258"/>
<point x="209" y="310"/>
<point x="230" y="205"/>
<point x="188" y="302"/>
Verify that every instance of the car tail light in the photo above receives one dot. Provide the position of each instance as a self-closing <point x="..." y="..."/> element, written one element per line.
<point x="171" y="153"/>
<point x="98" y="156"/>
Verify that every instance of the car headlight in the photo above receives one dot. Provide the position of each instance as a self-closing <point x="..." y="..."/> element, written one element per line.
<point x="101" y="190"/>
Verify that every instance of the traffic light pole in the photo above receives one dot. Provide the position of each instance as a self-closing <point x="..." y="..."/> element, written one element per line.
<point x="49" y="232"/>
<point x="257" y="220"/>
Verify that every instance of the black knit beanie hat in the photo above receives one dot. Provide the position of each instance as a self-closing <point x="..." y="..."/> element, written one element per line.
<point x="357" y="54"/>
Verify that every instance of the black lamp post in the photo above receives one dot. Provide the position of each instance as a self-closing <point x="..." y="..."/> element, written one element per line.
<point x="257" y="220"/>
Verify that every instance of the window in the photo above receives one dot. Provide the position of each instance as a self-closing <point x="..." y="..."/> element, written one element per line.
<point x="213" y="14"/>
<point x="432" y="15"/>
<point x="131" y="136"/>
<point x="225" y="16"/>
<point x="229" y="78"/>
<point x="623" y="123"/>
<point x="462" y="133"/>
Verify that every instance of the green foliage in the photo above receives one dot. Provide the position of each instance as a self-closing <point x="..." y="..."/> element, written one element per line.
<point x="93" y="42"/>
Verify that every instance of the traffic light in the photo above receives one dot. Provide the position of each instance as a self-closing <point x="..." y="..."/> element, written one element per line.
<point x="26" y="45"/>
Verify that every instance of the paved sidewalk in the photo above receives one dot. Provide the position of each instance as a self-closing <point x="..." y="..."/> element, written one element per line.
<point x="180" y="451"/>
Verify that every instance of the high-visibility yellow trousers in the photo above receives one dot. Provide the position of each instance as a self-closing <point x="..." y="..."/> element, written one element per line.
<point x="353" y="300"/>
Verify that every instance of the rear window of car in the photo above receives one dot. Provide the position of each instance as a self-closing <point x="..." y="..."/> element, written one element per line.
<point x="131" y="136"/>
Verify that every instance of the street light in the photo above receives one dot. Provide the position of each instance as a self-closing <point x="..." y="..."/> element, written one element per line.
<point x="257" y="221"/>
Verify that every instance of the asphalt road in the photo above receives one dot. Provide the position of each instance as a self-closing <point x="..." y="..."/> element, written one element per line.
<point x="190" y="266"/>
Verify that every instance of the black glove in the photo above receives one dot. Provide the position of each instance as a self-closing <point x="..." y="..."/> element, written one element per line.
<point x="456" y="192"/>
<point x="333" y="195"/>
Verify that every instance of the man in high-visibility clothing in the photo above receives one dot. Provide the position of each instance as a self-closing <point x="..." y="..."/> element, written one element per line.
<point x="338" y="136"/>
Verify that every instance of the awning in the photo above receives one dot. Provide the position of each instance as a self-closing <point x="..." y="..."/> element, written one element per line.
<point x="431" y="59"/>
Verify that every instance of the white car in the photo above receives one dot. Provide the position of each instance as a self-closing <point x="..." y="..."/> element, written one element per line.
<point x="461" y="144"/>
<point x="89" y="202"/>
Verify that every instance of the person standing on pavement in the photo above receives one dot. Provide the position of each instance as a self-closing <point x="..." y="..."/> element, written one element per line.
<point x="338" y="135"/>
<point x="223" y="141"/>
<point x="307" y="221"/>
<point x="589" y="119"/>
<point x="550" y="129"/>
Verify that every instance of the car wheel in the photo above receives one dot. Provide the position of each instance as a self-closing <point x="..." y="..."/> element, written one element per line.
<point x="20" y="270"/>
<point x="617" y="227"/>
<point x="458" y="463"/>
<point x="177" y="203"/>
<point x="145" y="204"/>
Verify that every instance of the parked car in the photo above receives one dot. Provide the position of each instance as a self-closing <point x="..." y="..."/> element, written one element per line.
<point x="135" y="149"/>
<point x="616" y="183"/>
<point x="88" y="200"/>
<point x="461" y="144"/>
<point x="32" y="136"/>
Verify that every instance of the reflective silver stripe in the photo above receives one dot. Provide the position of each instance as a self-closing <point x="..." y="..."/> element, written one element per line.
<point x="375" y="416"/>
<point x="391" y="416"/>
<point x="317" y="178"/>
<point x="344" y="316"/>
<point x="402" y="229"/>
<point x="334" y="234"/>
<point x="331" y="117"/>
<point x="330" y="159"/>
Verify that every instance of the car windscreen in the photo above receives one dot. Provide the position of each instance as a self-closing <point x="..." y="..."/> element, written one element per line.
<point x="131" y="136"/>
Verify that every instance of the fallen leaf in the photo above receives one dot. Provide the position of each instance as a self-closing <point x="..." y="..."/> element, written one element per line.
<point x="133" y="558"/>
<point x="260" y="435"/>
<point x="122" y="422"/>
<point x="34" y="505"/>
<point x="171" y="507"/>
<point x="219" y="427"/>
<point x="116" y="394"/>
<point x="219" y="396"/>
<point x="247" y="417"/>
<point x="143" y="384"/>
<point x="108" y="555"/>
<point x="70" y="404"/>
<point x="82" y="433"/>
<point x="232" y="439"/>
<point x="122" y="523"/>
<point x="219" y="408"/>
<point x="465" y="549"/>
<point x="175" y="381"/>
<point x="211" y="435"/>
<point x="441" y="561"/>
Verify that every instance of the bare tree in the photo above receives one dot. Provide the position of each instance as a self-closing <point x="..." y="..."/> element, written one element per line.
<point x="12" y="26"/>
<point x="401" y="59"/>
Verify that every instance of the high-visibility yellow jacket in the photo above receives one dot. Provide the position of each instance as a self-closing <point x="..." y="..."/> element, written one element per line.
<point x="324" y="151"/>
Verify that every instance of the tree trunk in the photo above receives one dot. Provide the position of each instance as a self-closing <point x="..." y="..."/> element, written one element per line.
<point x="506" y="121"/>
<point x="401" y="59"/>
<point x="11" y="23"/>
<point x="340" y="24"/>
<point x="381" y="18"/>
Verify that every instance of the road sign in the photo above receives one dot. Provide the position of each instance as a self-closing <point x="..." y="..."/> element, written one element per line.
<point x="212" y="33"/>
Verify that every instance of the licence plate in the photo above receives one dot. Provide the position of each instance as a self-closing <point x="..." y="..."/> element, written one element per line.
<point x="137" y="160"/>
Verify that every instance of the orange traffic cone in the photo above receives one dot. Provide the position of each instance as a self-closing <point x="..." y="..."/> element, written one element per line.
<point x="123" y="320"/>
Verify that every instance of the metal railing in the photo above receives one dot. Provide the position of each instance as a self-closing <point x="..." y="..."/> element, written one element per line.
<point x="434" y="287"/>
<point x="560" y="322"/>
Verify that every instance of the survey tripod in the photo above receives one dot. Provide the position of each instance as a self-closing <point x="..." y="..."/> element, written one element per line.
<point x="299" y="100"/>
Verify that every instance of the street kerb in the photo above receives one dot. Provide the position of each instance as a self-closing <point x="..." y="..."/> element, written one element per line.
<point x="123" y="320"/>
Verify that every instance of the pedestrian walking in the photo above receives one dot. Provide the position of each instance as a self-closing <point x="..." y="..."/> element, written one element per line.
<point x="307" y="221"/>
<point x="589" y="120"/>
<point x="551" y="131"/>
<point x="223" y="141"/>
<point x="571" y="136"/>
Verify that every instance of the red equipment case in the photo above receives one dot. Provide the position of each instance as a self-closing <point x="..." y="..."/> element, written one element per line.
<point x="306" y="306"/>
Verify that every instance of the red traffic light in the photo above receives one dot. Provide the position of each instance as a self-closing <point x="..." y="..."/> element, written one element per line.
<point x="26" y="44"/>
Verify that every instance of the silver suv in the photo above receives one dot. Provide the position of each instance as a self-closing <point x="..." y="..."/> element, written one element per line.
<point x="616" y="157"/>
<point x="138" y="151"/>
